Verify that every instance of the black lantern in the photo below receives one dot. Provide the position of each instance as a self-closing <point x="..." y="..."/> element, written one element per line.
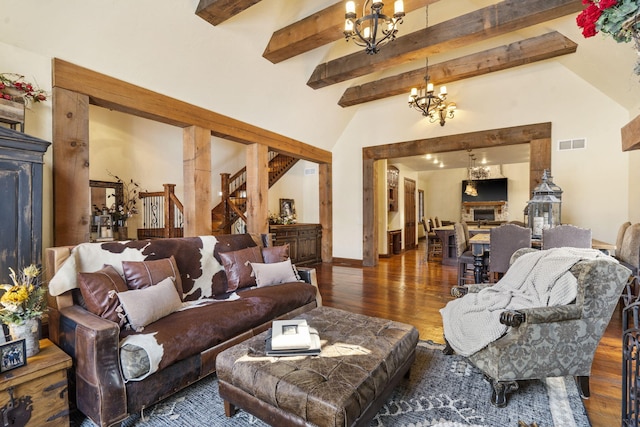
<point x="544" y="208"/>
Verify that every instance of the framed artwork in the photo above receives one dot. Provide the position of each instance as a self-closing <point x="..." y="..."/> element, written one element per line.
<point x="13" y="355"/>
<point x="287" y="208"/>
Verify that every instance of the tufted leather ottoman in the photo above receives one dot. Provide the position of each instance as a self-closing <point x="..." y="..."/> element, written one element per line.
<point x="363" y="358"/>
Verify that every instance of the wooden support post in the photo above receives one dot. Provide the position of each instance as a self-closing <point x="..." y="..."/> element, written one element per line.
<point x="369" y="220"/>
<point x="197" y="181"/>
<point x="326" y="210"/>
<point x="224" y="187"/>
<point x="539" y="160"/>
<point x="257" y="188"/>
<point x="631" y="135"/>
<point x="71" y="192"/>
<point x="169" y="211"/>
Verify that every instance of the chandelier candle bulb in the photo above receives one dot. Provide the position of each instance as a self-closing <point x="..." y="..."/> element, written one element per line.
<point x="351" y="7"/>
<point x="414" y="92"/>
<point x="398" y="7"/>
<point x="348" y="26"/>
<point x="443" y="90"/>
<point x="430" y="87"/>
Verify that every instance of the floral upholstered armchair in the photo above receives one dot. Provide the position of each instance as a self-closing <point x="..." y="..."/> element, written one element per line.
<point x="552" y="341"/>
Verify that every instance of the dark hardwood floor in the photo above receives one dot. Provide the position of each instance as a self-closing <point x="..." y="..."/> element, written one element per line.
<point x="409" y="289"/>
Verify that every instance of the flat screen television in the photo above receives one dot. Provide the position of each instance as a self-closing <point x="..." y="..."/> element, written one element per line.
<point x="489" y="190"/>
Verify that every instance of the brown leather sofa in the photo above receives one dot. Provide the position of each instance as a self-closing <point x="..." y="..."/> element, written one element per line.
<point x="102" y="392"/>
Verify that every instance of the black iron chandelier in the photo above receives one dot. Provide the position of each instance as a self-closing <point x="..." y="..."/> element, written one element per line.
<point x="375" y="29"/>
<point x="433" y="106"/>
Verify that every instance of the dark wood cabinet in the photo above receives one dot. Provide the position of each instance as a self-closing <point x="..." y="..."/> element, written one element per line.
<point x="304" y="241"/>
<point x="21" y="159"/>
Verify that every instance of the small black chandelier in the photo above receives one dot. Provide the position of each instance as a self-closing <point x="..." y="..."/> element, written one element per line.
<point x="434" y="107"/>
<point x="375" y="29"/>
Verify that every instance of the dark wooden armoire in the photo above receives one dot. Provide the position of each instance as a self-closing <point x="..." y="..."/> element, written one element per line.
<point x="21" y="164"/>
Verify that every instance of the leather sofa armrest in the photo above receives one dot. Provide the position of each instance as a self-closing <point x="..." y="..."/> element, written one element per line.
<point x="93" y="343"/>
<point x="309" y="275"/>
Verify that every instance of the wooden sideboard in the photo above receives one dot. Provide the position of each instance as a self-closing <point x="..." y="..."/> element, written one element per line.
<point x="305" y="241"/>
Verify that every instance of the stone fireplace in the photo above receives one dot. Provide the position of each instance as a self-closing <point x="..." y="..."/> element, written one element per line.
<point x="484" y="211"/>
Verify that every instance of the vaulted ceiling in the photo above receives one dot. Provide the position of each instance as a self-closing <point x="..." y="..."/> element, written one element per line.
<point x="325" y="26"/>
<point x="461" y="42"/>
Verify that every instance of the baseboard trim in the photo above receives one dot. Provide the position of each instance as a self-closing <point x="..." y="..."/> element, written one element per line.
<point x="347" y="262"/>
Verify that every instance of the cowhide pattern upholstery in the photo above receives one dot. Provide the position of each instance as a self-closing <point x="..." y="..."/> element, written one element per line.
<point x="210" y="314"/>
<point x="197" y="258"/>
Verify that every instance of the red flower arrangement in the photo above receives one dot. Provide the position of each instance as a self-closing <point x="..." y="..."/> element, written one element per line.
<point x="619" y="18"/>
<point x="14" y="88"/>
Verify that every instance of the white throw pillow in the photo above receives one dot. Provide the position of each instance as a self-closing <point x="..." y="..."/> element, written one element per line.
<point x="144" y="306"/>
<point x="274" y="273"/>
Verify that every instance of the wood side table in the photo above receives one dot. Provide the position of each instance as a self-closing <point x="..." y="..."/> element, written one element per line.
<point x="37" y="391"/>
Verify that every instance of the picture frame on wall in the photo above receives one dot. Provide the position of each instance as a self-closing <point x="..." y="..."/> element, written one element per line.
<point x="287" y="208"/>
<point x="13" y="355"/>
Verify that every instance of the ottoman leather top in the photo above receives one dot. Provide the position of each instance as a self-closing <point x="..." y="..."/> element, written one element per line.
<point x="360" y="355"/>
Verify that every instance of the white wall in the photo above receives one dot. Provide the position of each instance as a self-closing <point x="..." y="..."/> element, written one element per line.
<point x="301" y="183"/>
<point x="634" y="179"/>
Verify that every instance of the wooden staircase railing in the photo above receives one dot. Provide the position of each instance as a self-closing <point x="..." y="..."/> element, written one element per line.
<point x="234" y="193"/>
<point x="163" y="214"/>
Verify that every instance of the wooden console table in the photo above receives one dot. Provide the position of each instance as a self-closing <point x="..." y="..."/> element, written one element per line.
<point x="305" y="241"/>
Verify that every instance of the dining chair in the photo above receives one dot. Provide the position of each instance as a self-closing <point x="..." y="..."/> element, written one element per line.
<point x="504" y="241"/>
<point x="435" y="244"/>
<point x="628" y="254"/>
<point x="437" y="222"/>
<point x="425" y="227"/>
<point x="566" y="236"/>
<point x="520" y="223"/>
<point x="620" y="236"/>
<point x="464" y="254"/>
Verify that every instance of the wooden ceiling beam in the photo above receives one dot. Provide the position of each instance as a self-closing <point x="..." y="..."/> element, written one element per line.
<point x="631" y="135"/>
<point x="491" y="21"/>
<point x="109" y="92"/>
<point x="218" y="11"/>
<point x="460" y="142"/>
<point x="501" y="58"/>
<point x="316" y="30"/>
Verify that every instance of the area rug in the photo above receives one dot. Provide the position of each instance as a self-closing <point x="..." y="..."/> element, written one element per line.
<point x="442" y="391"/>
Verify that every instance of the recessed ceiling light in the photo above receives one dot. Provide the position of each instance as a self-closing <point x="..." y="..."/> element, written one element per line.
<point x="441" y="164"/>
<point x="428" y="157"/>
<point x="435" y="161"/>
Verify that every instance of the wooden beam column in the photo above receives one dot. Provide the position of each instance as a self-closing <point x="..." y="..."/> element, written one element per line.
<point x="196" y="160"/>
<point x="369" y="214"/>
<point x="257" y="188"/>
<point x="71" y="193"/>
<point x="326" y="210"/>
<point x="539" y="160"/>
<point x="631" y="135"/>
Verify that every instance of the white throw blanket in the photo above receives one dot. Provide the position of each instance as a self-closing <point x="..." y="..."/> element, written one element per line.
<point x="536" y="279"/>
